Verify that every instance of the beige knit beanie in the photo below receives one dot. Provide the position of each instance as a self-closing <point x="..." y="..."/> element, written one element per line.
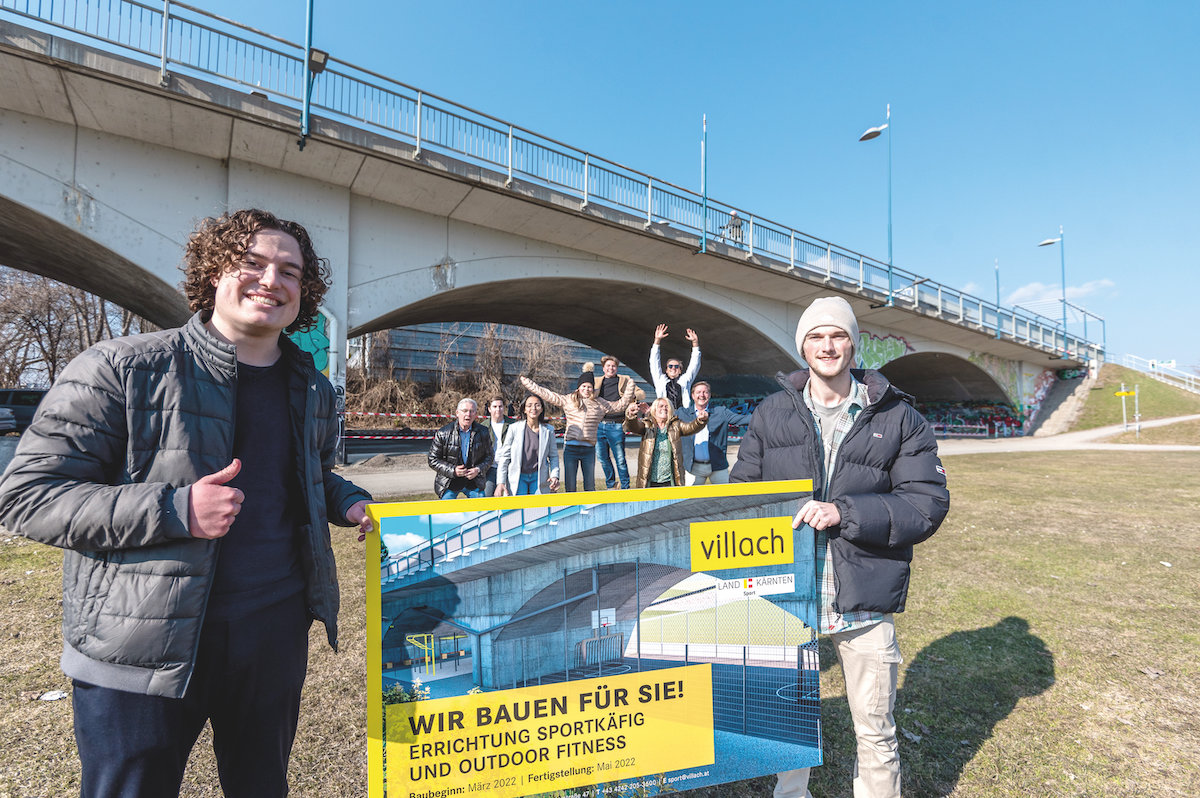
<point x="830" y="311"/>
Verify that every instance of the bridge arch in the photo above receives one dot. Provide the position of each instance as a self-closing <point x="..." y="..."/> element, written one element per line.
<point x="613" y="315"/>
<point x="944" y="377"/>
<point x="34" y="242"/>
<point x="618" y="586"/>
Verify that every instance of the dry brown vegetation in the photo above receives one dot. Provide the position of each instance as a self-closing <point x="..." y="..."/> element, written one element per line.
<point x="45" y="323"/>
<point x="380" y="389"/>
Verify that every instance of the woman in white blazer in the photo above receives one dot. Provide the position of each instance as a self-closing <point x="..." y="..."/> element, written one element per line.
<point x="528" y="459"/>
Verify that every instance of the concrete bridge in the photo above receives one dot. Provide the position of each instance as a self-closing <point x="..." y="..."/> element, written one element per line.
<point x="107" y="160"/>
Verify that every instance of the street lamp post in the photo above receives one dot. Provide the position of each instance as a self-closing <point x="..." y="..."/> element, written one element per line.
<point x="998" y="300"/>
<point x="315" y="61"/>
<point x="1063" y="263"/>
<point x="704" y="187"/>
<point x="868" y="134"/>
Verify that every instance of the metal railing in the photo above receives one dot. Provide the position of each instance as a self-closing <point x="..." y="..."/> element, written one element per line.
<point x="177" y="35"/>
<point x="1172" y="376"/>
<point x="478" y="532"/>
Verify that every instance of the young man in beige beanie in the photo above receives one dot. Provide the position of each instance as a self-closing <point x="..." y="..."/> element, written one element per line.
<point x="878" y="489"/>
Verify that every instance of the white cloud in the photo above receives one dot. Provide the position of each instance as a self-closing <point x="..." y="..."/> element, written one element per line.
<point x="455" y="518"/>
<point x="971" y="288"/>
<point x="1046" y="300"/>
<point x="1036" y="293"/>
<point x="398" y="543"/>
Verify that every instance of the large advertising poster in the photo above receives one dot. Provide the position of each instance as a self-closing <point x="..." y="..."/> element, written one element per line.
<point x="628" y="642"/>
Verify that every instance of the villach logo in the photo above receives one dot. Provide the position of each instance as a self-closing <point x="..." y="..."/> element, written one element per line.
<point x="742" y="543"/>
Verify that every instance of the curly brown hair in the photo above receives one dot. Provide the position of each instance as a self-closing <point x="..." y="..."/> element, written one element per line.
<point x="218" y="245"/>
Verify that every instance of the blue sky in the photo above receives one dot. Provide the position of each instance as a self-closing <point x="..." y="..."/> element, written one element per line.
<point x="1009" y="119"/>
<point x="400" y="532"/>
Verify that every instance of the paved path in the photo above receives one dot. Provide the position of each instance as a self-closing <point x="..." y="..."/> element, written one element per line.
<point x="416" y="477"/>
<point x="387" y="484"/>
<point x="1085" y="439"/>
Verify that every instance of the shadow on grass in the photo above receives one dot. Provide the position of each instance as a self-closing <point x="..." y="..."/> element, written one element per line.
<point x="953" y="694"/>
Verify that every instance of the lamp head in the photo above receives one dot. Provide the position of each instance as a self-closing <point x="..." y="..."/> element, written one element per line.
<point x="317" y="59"/>
<point x="872" y="133"/>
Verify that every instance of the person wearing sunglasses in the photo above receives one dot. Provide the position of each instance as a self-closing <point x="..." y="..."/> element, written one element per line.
<point x="674" y="382"/>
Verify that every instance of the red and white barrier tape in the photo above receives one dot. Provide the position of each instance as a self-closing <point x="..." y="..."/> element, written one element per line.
<point x="398" y="437"/>
<point x="428" y="415"/>
<point x="388" y="437"/>
<point x="397" y="415"/>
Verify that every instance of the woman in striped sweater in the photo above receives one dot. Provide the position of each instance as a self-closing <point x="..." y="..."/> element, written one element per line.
<point x="583" y="410"/>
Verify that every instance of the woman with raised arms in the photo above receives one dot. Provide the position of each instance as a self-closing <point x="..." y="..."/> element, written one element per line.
<point x="583" y="410"/>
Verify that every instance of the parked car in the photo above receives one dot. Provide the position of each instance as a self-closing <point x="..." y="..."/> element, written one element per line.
<point x="8" y="422"/>
<point x="22" y="402"/>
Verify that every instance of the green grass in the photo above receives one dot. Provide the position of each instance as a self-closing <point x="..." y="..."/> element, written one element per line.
<point x="1155" y="399"/>
<point x="757" y="621"/>
<point x="1048" y="651"/>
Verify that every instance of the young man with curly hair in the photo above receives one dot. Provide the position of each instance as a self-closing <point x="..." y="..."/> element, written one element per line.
<point x="188" y="476"/>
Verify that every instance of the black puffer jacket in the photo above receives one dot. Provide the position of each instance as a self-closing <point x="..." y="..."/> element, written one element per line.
<point x="888" y="483"/>
<point x="445" y="453"/>
<point x="105" y="472"/>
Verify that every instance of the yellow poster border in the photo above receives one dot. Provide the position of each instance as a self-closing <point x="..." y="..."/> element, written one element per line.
<point x="374" y="588"/>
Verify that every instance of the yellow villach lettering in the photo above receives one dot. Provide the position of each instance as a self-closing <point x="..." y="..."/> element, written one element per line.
<point x="742" y="543"/>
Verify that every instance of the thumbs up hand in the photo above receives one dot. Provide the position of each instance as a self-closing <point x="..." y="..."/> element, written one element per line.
<point x="213" y="504"/>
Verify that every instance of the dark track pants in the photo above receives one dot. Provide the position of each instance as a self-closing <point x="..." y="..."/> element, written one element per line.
<point x="247" y="681"/>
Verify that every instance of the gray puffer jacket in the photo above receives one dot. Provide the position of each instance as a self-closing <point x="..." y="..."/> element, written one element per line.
<point x="887" y="483"/>
<point x="105" y="473"/>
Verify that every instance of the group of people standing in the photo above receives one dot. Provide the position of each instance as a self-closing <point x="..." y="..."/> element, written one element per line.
<point x="683" y="437"/>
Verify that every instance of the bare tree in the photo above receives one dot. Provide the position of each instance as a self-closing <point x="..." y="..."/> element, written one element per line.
<point x="447" y="349"/>
<point x="45" y="323"/>
<point x="489" y="363"/>
<point x="541" y="356"/>
<point x="503" y="352"/>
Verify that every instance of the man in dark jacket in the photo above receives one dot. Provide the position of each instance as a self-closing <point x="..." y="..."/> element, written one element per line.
<point x="461" y="454"/>
<point x="188" y="474"/>
<point x="879" y="488"/>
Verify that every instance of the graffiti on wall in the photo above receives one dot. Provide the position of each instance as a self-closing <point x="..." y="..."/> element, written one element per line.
<point x="1041" y="386"/>
<point x="1006" y="373"/>
<point x="315" y="341"/>
<point x="1025" y="387"/>
<point x="874" y="351"/>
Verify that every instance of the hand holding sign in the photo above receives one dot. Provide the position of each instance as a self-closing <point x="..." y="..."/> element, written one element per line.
<point x="818" y="515"/>
<point x="357" y="514"/>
